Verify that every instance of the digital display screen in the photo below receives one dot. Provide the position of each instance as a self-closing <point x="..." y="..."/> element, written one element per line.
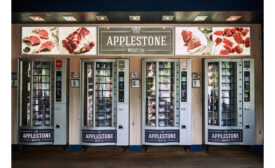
<point x="246" y="64"/>
<point x="58" y="86"/>
<point x="121" y="87"/>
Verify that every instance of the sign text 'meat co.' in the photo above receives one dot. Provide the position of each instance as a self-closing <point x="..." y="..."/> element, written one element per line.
<point x="139" y="40"/>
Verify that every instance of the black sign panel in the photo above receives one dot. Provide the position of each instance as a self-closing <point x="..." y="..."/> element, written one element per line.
<point x="99" y="136"/>
<point x="36" y="135"/>
<point x="161" y="136"/>
<point x="138" y="40"/>
<point x="225" y="136"/>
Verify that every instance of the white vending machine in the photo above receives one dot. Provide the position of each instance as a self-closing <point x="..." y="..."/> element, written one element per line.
<point x="166" y="102"/>
<point x="229" y="101"/>
<point x="104" y="102"/>
<point x="42" y="101"/>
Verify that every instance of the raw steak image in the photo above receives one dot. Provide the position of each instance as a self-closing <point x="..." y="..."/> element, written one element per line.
<point x="219" y="33"/>
<point x="247" y="42"/>
<point x="33" y="40"/>
<point x="239" y="28"/>
<point x="227" y="32"/>
<point x="218" y="41"/>
<point x="42" y="33"/>
<point x="244" y="31"/>
<point x="46" y="46"/>
<point x="223" y="52"/>
<point x="229" y="48"/>
<point x="193" y="45"/>
<point x="238" y="49"/>
<point x="80" y="41"/>
<point x="234" y="31"/>
<point x="238" y="38"/>
<point x="228" y="42"/>
<point x="186" y="35"/>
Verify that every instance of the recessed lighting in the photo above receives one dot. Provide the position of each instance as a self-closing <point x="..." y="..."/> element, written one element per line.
<point x="200" y="18"/>
<point x="233" y="18"/>
<point x="69" y="18"/>
<point x="37" y="18"/>
<point x="134" y="18"/>
<point x="101" y="18"/>
<point x="167" y="18"/>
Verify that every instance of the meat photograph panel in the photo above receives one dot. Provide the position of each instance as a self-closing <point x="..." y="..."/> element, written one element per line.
<point x="193" y="40"/>
<point x="40" y="40"/>
<point x="231" y="41"/>
<point x="77" y="40"/>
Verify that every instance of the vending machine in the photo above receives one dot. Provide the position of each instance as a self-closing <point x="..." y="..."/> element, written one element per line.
<point x="42" y="101"/>
<point x="104" y="102"/>
<point x="166" y="102"/>
<point x="229" y="101"/>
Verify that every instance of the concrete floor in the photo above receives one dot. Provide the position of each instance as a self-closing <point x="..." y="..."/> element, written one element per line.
<point x="155" y="157"/>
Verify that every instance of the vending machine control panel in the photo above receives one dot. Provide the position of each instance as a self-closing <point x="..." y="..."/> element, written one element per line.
<point x="121" y="87"/>
<point x="58" y="86"/>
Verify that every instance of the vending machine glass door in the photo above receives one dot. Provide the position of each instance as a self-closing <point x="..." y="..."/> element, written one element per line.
<point x="228" y="90"/>
<point x="98" y="110"/>
<point x="213" y="93"/>
<point x="41" y="93"/>
<point x="166" y="81"/>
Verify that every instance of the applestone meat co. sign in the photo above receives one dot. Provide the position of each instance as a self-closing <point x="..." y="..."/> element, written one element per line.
<point x="136" y="40"/>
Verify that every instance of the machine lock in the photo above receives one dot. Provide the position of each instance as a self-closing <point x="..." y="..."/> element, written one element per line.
<point x="247" y="126"/>
<point x="57" y="126"/>
<point x="183" y="127"/>
<point x="120" y="127"/>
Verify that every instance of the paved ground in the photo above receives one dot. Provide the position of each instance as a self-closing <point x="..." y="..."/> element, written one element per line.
<point x="155" y="157"/>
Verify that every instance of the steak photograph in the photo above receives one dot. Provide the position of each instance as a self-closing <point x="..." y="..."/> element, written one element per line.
<point x="32" y="40"/>
<point x="79" y="41"/>
<point x="40" y="40"/>
<point x="192" y="41"/>
<point x="42" y="33"/>
<point x="46" y="46"/>
<point x="236" y="41"/>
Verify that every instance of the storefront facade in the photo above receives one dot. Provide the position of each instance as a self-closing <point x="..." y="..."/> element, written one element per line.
<point x="162" y="45"/>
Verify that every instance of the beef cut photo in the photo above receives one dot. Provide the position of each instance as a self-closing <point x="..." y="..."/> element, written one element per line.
<point x="40" y="40"/>
<point x="46" y="46"/>
<point x="194" y="40"/>
<point x="32" y="40"/>
<point x="235" y="41"/>
<point x="78" y="41"/>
